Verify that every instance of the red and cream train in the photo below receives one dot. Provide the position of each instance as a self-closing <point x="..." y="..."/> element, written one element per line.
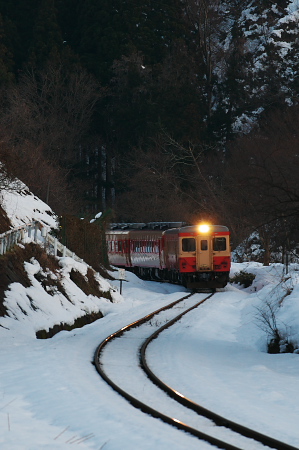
<point x="196" y="256"/>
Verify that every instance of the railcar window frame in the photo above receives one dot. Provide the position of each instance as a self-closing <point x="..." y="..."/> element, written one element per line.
<point x="218" y="244"/>
<point x="188" y="245"/>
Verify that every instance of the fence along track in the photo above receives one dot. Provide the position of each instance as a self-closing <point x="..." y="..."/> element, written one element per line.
<point x="142" y="406"/>
<point x="38" y="232"/>
<point x="180" y="398"/>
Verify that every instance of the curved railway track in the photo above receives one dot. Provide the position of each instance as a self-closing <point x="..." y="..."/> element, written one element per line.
<point x="151" y="320"/>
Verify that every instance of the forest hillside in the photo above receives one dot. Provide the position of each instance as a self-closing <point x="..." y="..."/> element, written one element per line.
<point x="182" y="111"/>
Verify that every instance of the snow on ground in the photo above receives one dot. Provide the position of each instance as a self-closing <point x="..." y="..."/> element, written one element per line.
<point x="52" y="397"/>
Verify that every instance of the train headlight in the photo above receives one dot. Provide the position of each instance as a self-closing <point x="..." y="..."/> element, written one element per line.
<point x="203" y="228"/>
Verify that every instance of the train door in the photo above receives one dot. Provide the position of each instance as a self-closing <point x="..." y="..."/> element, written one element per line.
<point x="204" y="255"/>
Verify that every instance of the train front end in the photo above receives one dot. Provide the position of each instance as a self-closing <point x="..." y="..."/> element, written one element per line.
<point x="204" y="256"/>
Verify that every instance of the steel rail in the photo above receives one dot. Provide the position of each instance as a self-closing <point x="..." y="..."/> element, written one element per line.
<point x="142" y="406"/>
<point x="185" y="401"/>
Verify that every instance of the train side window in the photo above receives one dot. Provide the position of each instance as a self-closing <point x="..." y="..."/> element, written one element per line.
<point x="204" y="244"/>
<point x="219" y="244"/>
<point x="188" y="245"/>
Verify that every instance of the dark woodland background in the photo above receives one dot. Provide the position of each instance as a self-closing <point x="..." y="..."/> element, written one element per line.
<point x="155" y="111"/>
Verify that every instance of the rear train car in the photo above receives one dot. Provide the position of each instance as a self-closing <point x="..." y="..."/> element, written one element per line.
<point x="195" y="256"/>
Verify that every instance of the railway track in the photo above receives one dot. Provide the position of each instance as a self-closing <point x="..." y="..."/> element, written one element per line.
<point x="175" y="409"/>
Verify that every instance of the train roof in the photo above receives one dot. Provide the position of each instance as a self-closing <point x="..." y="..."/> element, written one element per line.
<point x="194" y="229"/>
<point x="138" y="229"/>
<point x="119" y="232"/>
<point x="146" y="226"/>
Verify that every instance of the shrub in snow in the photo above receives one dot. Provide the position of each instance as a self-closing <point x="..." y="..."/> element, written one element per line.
<point x="243" y="278"/>
<point x="267" y="319"/>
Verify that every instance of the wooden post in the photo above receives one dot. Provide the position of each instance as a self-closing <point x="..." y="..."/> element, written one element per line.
<point x="35" y="232"/>
<point x="121" y="277"/>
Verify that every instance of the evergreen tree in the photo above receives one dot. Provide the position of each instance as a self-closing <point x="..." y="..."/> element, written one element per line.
<point x="19" y="19"/>
<point x="260" y="25"/>
<point x="208" y="27"/>
<point x="68" y="19"/>
<point x="153" y="27"/>
<point x="102" y="35"/>
<point x="282" y="56"/>
<point x="110" y="30"/>
<point x="6" y="57"/>
<point x="46" y="39"/>
<point x="258" y="60"/>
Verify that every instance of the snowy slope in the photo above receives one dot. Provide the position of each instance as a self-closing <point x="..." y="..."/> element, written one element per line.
<point x="22" y="207"/>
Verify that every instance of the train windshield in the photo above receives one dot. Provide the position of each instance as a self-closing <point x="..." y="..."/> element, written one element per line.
<point x="188" y="245"/>
<point x="219" y="244"/>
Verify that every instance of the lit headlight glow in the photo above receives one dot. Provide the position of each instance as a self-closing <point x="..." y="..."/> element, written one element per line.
<point x="204" y="228"/>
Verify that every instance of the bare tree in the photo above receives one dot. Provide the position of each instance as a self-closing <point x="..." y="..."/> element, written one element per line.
<point x="206" y="20"/>
<point x="152" y="192"/>
<point x="262" y="180"/>
<point x="178" y="180"/>
<point x="46" y="117"/>
<point x="52" y="108"/>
